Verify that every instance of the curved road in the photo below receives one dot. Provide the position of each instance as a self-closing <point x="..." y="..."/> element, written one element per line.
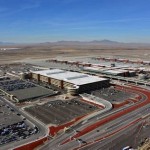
<point x="86" y="131"/>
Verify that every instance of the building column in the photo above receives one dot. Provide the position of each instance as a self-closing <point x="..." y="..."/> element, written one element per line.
<point x="38" y="77"/>
<point x="61" y="84"/>
<point x="49" y="80"/>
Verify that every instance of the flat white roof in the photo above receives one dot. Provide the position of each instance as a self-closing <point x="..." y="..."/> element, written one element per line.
<point x="71" y="77"/>
<point x="112" y="71"/>
<point x="146" y="61"/>
<point x="122" y="59"/>
<point x="115" y="71"/>
<point x="93" y="68"/>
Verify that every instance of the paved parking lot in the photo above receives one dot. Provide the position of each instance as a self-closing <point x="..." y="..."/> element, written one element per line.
<point x="7" y="115"/>
<point x="16" y="68"/>
<point x="50" y="87"/>
<point x="25" y="90"/>
<point x="59" y="112"/>
<point x="13" y="85"/>
<point x="112" y="94"/>
<point x="13" y="126"/>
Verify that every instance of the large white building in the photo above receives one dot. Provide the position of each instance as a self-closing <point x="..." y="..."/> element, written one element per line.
<point x="65" y="79"/>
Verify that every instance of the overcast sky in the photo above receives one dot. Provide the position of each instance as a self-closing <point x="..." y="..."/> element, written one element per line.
<point x="53" y="20"/>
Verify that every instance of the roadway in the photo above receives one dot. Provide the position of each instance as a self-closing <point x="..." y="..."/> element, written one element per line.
<point x="65" y="140"/>
<point x="133" y="120"/>
<point x="91" y="137"/>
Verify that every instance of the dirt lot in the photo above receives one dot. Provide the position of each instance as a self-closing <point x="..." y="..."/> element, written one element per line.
<point x="48" y="51"/>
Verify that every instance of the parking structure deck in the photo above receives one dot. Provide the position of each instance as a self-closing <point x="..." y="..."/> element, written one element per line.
<point x="59" y="112"/>
<point x="24" y="90"/>
<point x="113" y="95"/>
<point x="13" y="85"/>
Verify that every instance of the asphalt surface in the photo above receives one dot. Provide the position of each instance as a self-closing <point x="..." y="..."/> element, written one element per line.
<point x="77" y="142"/>
<point x="24" y="90"/>
<point x="42" y="130"/>
<point x="99" y="132"/>
<point x="59" y="112"/>
<point x="125" y="137"/>
<point x="113" y="95"/>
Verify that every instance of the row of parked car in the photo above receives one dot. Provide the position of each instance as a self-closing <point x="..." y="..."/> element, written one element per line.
<point x="8" y="82"/>
<point x="17" y="86"/>
<point x="16" y="132"/>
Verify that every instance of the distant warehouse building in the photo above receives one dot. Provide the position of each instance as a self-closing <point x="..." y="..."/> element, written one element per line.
<point x="66" y="79"/>
<point x="113" y="72"/>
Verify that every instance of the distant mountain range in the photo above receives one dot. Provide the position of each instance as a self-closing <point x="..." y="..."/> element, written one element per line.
<point x="96" y="42"/>
<point x="82" y="42"/>
<point x="104" y="42"/>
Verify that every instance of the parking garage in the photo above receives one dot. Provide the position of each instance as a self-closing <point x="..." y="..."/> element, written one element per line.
<point x="65" y="79"/>
<point x="20" y="90"/>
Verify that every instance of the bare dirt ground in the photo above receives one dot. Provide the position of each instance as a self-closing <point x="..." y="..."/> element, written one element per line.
<point x="48" y="51"/>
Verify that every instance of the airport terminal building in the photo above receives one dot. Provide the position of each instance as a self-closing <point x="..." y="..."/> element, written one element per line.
<point x="67" y="79"/>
